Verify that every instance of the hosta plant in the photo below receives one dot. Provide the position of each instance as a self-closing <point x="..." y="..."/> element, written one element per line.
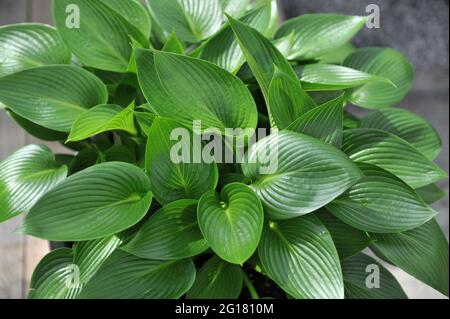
<point x="169" y="189"/>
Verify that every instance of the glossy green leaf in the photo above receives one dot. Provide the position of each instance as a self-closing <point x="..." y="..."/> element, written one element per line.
<point x="133" y="12"/>
<point x="282" y="91"/>
<point x="431" y="193"/>
<point x="409" y="127"/>
<point x="97" y="26"/>
<point x="294" y="174"/>
<point x="318" y="34"/>
<point x="386" y="63"/>
<point x="357" y="274"/>
<point x="217" y="279"/>
<point x="171" y="233"/>
<point x="52" y="96"/>
<point x="349" y="241"/>
<point x="223" y="48"/>
<point x="381" y="203"/>
<point x="393" y="154"/>
<point x="327" y="77"/>
<point x="231" y="222"/>
<point x="37" y="131"/>
<point x="25" y="176"/>
<point x="124" y="276"/>
<point x="324" y="122"/>
<point x="62" y="273"/>
<point x="170" y="164"/>
<point x="28" y="45"/>
<point x="235" y="8"/>
<point x="299" y="255"/>
<point x="421" y="252"/>
<point x="103" y="118"/>
<point x="287" y="100"/>
<point x="187" y="89"/>
<point x="94" y="203"/>
<point x="191" y="20"/>
<point x="338" y="55"/>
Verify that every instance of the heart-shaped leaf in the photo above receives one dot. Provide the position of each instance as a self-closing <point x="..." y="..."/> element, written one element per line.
<point x="279" y="84"/>
<point x="381" y="203"/>
<point x="28" y="45"/>
<point x="187" y="89"/>
<point x="124" y="276"/>
<point x="231" y="222"/>
<point x="393" y="154"/>
<point x="349" y="241"/>
<point x="324" y="122"/>
<point x="97" y="202"/>
<point x="103" y="118"/>
<point x="171" y="166"/>
<point x="360" y="270"/>
<point x="171" y="233"/>
<point x="409" y="127"/>
<point x="191" y="20"/>
<point x="26" y="176"/>
<point x="52" y="96"/>
<point x="294" y="174"/>
<point x="421" y="252"/>
<point x="217" y="279"/>
<point x="327" y="77"/>
<point x="223" y="48"/>
<point x="299" y="255"/>
<point x="318" y="34"/>
<point x="386" y="63"/>
<point x="96" y="25"/>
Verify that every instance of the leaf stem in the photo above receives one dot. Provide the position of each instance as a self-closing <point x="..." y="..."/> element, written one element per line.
<point x="250" y="286"/>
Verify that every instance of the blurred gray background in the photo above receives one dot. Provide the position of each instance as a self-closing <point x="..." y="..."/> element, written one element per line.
<point x="418" y="28"/>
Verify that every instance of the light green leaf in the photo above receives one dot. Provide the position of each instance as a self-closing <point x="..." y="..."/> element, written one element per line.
<point x="422" y="252"/>
<point x="381" y="203"/>
<point x="294" y="174"/>
<point x="52" y="96"/>
<point x="431" y="193"/>
<point x="386" y="63"/>
<point x="324" y="122"/>
<point x="37" y="131"/>
<point x="106" y="33"/>
<point x="187" y="89"/>
<point x="191" y="20"/>
<point x="26" y="176"/>
<point x="124" y="276"/>
<point x="327" y="77"/>
<point x="231" y="222"/>
<point x="217" y="279"/>
<point x="28" y="45"/>
<point x="223" y="48"/>
<point x="338" y="55"/>
<point x="393" y="154"/>
<point x="348" y="240"/>
<point x="170" y="163"/>
<point x="281" y="88"/>
<point x="133" y="12"/>
<point x="103" y="118"/>
<point x="409" y="127"/>
<point x="173" y="44"/>
<point x="171" y="233"/>
<point x="318" y="34"/>
<point x="97" y="202"/>
<point x="299" y="255"/>
<point x="356" y="278"/>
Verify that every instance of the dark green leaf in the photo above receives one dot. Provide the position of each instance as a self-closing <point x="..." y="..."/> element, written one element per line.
<point x="431" y="193"/>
